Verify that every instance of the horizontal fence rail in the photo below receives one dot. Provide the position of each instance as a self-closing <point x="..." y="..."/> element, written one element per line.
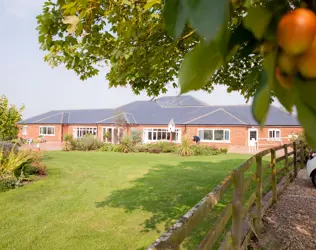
<point x="265" y="194"/>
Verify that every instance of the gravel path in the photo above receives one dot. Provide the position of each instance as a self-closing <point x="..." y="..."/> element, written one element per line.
<point x="291" y="223"/>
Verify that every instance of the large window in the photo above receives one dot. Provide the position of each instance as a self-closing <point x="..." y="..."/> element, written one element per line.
<point x="214" y="135"/>
<point x="81" y="132"/>
<point x="161" y="134"/>
<point x="274" y="134"/>
<point x="47" y="130"/>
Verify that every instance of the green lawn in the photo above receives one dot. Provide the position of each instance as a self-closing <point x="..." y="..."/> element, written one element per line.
<point x="92" y="200"/>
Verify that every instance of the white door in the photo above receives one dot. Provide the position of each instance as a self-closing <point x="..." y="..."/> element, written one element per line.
<point x="252" y="136"/>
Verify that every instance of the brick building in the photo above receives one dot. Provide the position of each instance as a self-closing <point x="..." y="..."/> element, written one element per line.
<point x="223" y="126"/>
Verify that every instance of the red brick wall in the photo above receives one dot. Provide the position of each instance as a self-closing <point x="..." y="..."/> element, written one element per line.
<point x="238" y="134"/>
<point x="285" y="132"/>
<point x="69" y="129"/>
<point x="33" y="132"/>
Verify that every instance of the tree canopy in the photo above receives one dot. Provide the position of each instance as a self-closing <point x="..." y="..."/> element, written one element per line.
<point x="9" y="117"/>
<point x="130" y="36"/>
<point x="151" y="43"/>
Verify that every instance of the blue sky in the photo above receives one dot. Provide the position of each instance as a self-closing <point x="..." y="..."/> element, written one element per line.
<point x="27" y="79"/>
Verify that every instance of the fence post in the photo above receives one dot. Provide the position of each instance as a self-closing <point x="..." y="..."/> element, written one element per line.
<point x="237" y="209"/>
<point x="286" y="162"/>
<point x="259" y="174"/>
<point x="273" y="175"/>
<point x="302" y="155"/>
<point x="295" y="158"/>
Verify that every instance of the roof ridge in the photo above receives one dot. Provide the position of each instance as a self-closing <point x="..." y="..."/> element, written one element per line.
<point x="200" y="101"/>
<point x="48" y="117"/>
<point x="197" y="118"/>
<point x="229" y="105"/>
<point x="122" y="113"/>
<point x="62" y="117"/>
<point x="235" y="117"/>
<point x="34" y="116"/>
<point x="126" y="118"/>
<point x="107" y="118"/>
<point x="132" y="116"/>
<point x="69" y="110"/>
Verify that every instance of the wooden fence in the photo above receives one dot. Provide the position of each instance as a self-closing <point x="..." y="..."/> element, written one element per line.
<point x="238" y="211"/>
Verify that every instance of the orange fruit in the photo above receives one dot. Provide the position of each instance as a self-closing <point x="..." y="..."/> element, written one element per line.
<point x="287" y="63"/>
<point x="307" y="62"/>
<point x="284" y="80"/>
<point x="296" y="31"/>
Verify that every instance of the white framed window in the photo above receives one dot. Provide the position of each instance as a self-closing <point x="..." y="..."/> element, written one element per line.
<point x="81" y="132"/>
<point x="24" y="130"/>
<point x="274" y="134"/>
<point x="214" y="135"/>
<point x="47" y="130"/>
<point x="161" y="134"/>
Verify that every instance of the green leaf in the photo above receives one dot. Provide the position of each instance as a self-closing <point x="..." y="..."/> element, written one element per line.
<point x="69" y="5"/>
<point x="127" y="2"/>
<point x="307" y="117"/>
<point x="198" y="65"/>
<point x="305" y="103"/>
<point x="150" y="3"/>
<point x="175" y="17"/>
<point x="208" y="16"/>
<point x="257" y="20"/>
<point x="306" y="90"/>
<point x="285" y="96"/>
<point x="271" y="32"/>
<point x="223" y="37"/>
<point x="269" y="64"/>
<point x="261" y="102"/>
<point x="239" y="36"/>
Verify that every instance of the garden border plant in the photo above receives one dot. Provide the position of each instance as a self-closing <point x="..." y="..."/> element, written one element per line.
<point x="18" y="166"/>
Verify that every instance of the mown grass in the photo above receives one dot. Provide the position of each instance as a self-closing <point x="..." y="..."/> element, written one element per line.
<point x="95" y="200"/>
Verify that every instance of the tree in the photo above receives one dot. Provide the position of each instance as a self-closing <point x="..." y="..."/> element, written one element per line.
<point x="129" y="35"/>
<point x="150" y="43"/>
<point x="9" y="118"/>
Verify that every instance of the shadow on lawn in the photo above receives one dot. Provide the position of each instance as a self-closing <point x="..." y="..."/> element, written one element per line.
<point x="168" y="192"/>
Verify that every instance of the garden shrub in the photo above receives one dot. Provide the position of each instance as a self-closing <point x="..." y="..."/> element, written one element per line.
<point x="9" y="163"/>
<point x="86" y="143"/>
<point x="7" y="183"/>
<point x="68" y="145"/>
<point x="31" y="169"/>
<point x="185" y="148"/>
<point x="6" y="147"/>
<point x="136" y="136"/>
<point x="166" y="147"/>
<point x="224" y="150"/>
<point x="154" y="150"/>
<point x="16" y="166"/>
<point x="19" y="142"/>
<point x="107" y="147"/>
<point x="141" y="148"/>
<point x="200" y="150"/>
<point x="126" y="144"/>
<point x="27" y="170"/>
<point x="40" y="169"/>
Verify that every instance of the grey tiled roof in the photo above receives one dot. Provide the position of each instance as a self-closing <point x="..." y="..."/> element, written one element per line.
<point x="183" y="110"/>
